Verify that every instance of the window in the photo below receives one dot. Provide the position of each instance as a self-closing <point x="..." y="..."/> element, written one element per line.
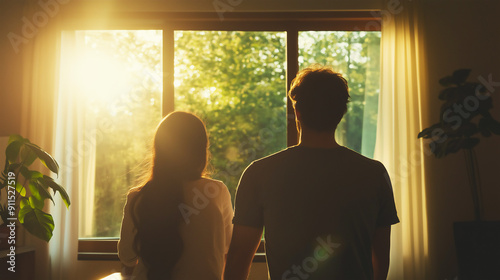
<point x="118" y="80"/>
<point x="234" y="74"/>
<point x="236" y="82"/>
<point x="355" y="54"/>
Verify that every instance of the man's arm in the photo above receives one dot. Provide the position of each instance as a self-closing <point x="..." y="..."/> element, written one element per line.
<point x="381" y="246"/>
<point x="244" y="244"/>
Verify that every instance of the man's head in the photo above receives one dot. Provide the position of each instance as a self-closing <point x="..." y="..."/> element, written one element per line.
<point x="319" y="96"/>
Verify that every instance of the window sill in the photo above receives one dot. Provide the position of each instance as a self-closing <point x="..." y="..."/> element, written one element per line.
<point x="98" y="256"/>
<point x="106" y="250"/>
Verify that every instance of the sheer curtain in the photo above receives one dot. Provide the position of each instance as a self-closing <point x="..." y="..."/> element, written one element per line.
<point x="40" y="68"/>
<point x="46" y="96"/>
<point x="75" y="147"/>
<point x="397" y="146"/>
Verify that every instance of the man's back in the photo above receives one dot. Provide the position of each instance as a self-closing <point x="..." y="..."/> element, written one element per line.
<point x="320" y="208"/>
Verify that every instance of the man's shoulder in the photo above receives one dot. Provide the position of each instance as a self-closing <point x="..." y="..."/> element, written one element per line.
<point x="348" y="158"/>
<point x="272" y="159"/>
<point x="359" y="158"/>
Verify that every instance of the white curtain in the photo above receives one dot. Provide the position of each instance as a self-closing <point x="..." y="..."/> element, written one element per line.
<point x="40" y="68"/>
<point x="75" y="146"/>
<point x="397" y="146"/>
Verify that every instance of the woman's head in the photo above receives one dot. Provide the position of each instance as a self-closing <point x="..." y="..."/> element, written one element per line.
<point x="180" y="147"/>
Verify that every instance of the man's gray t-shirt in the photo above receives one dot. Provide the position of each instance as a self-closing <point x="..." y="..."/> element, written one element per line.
<point x="320" y="208"/>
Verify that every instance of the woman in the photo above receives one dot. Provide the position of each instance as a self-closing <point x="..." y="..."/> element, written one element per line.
<point x="178" y="224"/>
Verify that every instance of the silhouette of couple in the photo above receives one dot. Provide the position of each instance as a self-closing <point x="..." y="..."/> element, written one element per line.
<point x="327" y="210"/>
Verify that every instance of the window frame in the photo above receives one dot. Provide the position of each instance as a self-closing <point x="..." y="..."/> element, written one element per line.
<point x="290" y="22"/>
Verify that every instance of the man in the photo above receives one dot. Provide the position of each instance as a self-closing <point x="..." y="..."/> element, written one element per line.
<point x="327" y="210"/>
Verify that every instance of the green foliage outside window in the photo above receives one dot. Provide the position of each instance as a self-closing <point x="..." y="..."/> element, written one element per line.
<point x="236" y="82"/>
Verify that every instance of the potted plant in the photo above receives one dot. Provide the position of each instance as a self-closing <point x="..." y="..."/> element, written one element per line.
<point x="465" y="116"/>
<point x="27" y="189"/>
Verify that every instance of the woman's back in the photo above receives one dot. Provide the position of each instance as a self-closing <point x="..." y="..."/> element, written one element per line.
<point x="206" y="232"/>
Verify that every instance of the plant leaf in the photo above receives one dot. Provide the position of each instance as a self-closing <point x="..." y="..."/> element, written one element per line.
<point x="21" y="189"/>
<point x="16" y="137"/>
<point x="30" y="174"/>
<point x="23" y="201"/>
<point x="460" y="75"/>
<point x="27" y="155"/>
<point x="37" y="222"/>
<point x="38" y="192"/>
<point x="45" y="158"/>
<point x="427" y="133"/>
<point x="43" y="191"/>
<point x="493" y="125"/>
<point x="470" y="143"/>
<point x="36" y="203"/>
<point x="12" y="151"/>
<point x="483" y="127"/>
<point x="48" y="181"/>
<point x="446" y="81"/>
<point x="448" y="93"/>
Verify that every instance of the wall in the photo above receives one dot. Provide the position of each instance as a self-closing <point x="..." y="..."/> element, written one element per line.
<point x="459" y="34"/>
<point x="10" y="68"/>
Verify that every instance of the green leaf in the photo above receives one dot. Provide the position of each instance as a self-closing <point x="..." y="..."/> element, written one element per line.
<point x="43" y="191"/>
<point x="36" y="203"/>
<point x="21" y="189"/>
<point x="27" y="156"/>
<point x="16" y="137"/>
<point x="25" y="208"/>
<point x="37" y="222"/>
<point x="12" y="151"/>
<point x="30" y="174"/>
<point x="48" y="181"/>
<point x="45" y="158"/>
<point x="38" y="192"/>
<point x="23" y="202"/>
<point x="460" y="75"/>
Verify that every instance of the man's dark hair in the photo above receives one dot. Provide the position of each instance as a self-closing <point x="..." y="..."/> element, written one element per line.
<point x="320" y="95"/>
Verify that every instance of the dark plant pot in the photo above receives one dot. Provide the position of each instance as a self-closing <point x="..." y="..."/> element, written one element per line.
<point x="478" y="249"/>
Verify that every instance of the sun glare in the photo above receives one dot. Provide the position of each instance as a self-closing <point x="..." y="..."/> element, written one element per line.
<point x="101" y="76"/>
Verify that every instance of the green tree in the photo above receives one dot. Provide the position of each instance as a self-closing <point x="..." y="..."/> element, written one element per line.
<point x="236" y="82"/>
<point x="357" y="56"/>
<point x="126" y="124"/>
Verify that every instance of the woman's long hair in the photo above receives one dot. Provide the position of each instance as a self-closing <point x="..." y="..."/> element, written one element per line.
<point x="179" y="154"/>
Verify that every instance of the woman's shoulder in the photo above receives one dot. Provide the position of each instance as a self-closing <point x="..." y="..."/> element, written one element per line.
<point x="210" y="187"/>
<point x="207" y="180"/>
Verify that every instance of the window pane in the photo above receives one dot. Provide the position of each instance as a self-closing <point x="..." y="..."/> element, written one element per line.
<point x="236" y="82"/>
<point x="120" y="74"/>
<point x="357" y="56"/>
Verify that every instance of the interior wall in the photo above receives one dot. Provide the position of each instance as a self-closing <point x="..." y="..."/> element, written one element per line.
<point x="10" y="68"/>
<point x="459" y="34"/>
